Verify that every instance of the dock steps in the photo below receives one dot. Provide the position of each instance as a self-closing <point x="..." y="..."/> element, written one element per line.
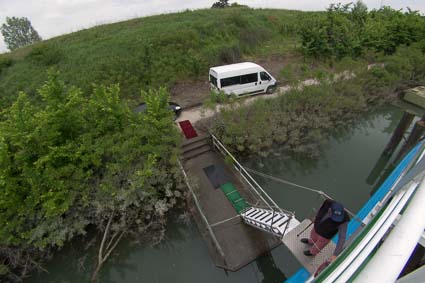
<point x="194" y="145"/>
<point x="196" y="152"/>
<point x="274" y="222"/>
<point x="195" y="140"/>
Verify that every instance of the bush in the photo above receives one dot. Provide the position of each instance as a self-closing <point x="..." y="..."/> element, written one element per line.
<point x="229" y="55"/>
<point x="46" y="55"/>
<point x="5" y="63"/>
<point x="75" y="160"/>
<point x="299" y="121"/>
<point x="352" y="31"/>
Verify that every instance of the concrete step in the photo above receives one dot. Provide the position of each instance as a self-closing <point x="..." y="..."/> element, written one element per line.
<point x="194" y="140"/>
<point x="195" y="145"/>
<point x="196" y="152"/>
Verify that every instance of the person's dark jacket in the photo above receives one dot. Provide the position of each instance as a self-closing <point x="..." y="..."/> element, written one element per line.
<point x="327" y="228"/>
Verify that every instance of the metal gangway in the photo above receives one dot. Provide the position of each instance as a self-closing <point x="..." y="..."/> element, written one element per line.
<point x="265" y="215"/>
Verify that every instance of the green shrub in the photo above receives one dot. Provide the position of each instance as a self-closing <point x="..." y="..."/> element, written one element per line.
<point x="75" y="159"/>
<point x="46" y="55"/>
<point x="352" y="31"/>
<point x="299" y="121"/>
<point x="4" y="269"/>
<point x="229" y="55"/>
<point x="5" y="62"/>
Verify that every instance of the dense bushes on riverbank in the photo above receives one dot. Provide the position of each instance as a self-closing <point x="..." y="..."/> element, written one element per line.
<point x="299" y="120"/>
<point x="76" y="160"/>
<point x="351" y="30"/>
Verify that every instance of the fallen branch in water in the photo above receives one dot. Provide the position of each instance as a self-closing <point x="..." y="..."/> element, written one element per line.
<point x="112" y="242"/>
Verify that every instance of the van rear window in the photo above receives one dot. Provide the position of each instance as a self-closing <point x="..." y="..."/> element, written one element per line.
<point x="213" y="80"/>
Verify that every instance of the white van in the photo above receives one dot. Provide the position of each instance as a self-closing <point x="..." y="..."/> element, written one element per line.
<point x="241" y="79"/>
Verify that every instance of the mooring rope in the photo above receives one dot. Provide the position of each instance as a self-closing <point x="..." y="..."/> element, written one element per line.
<point x="279" y="180"/>
<point x="287" y="182"/>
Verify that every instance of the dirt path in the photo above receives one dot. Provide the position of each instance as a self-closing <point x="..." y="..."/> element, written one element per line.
<point x="197" y="113"/>
<point x="193" y="93"/>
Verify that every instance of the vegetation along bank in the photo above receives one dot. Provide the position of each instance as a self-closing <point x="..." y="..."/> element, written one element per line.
<point x="74" y="156"/>
<point x="383" y="53"/>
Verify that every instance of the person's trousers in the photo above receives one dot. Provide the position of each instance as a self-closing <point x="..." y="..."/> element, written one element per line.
<point x="318" y="242"/>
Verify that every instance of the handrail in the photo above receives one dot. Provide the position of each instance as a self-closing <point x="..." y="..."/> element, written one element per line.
<point x="204" y="218"/>
<point x="254" y="186"/>
<point x="269" y="202"/>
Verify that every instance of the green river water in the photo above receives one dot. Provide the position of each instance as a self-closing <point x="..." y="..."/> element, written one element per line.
<point x="342" y="170"/>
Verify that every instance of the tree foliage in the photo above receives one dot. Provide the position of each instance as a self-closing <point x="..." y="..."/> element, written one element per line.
<point x="350" y="30"/>
<point x="221" y="4"/>
<point x="18" y="32"/>
<point x="76" y="160"/>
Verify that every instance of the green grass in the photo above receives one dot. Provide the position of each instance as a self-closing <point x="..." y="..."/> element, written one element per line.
<point x="152" y="51"/>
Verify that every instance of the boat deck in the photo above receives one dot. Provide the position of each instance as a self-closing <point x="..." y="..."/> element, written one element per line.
<point x="240" y="243"/>
<point x="292" y="241"/>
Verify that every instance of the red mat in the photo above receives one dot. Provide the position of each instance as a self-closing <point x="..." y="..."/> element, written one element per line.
<point x="188" y="129"/>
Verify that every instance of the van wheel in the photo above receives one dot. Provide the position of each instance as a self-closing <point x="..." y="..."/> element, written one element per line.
<point x="270" y="90"/>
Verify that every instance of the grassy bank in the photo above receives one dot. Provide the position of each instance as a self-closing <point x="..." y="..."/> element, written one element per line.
<point x="150" y="52"/>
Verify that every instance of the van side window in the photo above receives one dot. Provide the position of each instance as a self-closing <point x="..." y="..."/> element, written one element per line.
<point x="213" y="80"/>
<point x="230" y="81"/>
<point x="250" y="78"/>
<point x="264" y="76"/>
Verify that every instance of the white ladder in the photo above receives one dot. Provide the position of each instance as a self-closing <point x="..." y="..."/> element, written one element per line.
<point x="274" y="222"/>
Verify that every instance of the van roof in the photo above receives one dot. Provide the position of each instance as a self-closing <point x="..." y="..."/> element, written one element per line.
<point x="234" y="67"/>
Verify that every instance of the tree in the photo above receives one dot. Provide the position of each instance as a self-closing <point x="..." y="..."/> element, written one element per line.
<point x="74" y="159"/>
<point x="221" y="4"/>
<point x="18" y="32"/>
<point x="359" y="14"/>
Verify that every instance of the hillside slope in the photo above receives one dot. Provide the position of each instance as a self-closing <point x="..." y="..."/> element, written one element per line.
<point x="150" y="52"/>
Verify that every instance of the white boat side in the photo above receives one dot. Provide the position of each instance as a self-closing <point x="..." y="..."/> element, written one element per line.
<point x="388" y="262"/>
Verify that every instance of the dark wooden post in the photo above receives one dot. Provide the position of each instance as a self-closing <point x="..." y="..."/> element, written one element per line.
<point x="417" y="132"/>
<point x="398" y="134"/>
<point x="378" y="168"/>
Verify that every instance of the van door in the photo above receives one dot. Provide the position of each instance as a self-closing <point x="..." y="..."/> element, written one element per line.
<point x="249" y="84"/>
<point x="265" y="81"/>
<point x="231" y="85"/>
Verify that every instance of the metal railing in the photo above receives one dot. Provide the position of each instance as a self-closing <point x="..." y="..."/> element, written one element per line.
<point x="252" y="184"/>
<point x="204" y="218"/>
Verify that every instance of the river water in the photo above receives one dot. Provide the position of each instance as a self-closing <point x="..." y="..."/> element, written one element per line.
<point x="341" y="171"/>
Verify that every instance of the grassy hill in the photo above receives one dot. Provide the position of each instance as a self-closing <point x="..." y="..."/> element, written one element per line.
<point x="150" y="52"/>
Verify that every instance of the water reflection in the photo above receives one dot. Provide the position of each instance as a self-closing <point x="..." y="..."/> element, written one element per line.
<point x="344" y="164"/>
<point x="270" y="271"/>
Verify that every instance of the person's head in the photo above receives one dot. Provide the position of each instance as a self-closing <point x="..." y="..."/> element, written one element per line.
<point x="337" y="212"/>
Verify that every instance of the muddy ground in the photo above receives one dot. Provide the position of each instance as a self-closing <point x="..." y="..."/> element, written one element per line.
<point x="190" y="94"/>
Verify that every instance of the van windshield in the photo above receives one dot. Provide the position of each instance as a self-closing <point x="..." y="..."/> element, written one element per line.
<point x="213" y="80"/>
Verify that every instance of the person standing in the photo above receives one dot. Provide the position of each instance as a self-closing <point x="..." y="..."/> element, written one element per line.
<point x="331" y="219"/>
